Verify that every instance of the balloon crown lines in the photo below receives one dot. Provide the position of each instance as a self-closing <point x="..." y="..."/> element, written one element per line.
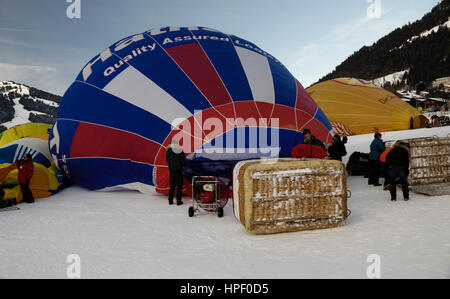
<point x="154" y="44"/>
<point x="216" y="135"/>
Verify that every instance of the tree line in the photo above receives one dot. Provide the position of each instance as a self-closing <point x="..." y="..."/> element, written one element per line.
<point x="426" y="58"/>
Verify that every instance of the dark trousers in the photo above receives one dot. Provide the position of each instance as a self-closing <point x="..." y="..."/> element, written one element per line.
<point x="26" y="192"/>
<point x="385" y="174"/>
<point x="176" y="181"/>
<point x="374" y="172"/>
<point x="394" y="172"/>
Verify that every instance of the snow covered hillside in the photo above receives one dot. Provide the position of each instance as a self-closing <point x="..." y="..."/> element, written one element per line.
<point x="22" y="104"/>
<point x="428" y="32"/>
<point x="391" y="79"/>
<point x="421" y="47"/>
<point x="131" y="235"/>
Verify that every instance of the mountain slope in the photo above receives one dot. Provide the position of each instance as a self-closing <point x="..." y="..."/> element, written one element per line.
<point x="21" y="104"/>
<point x="420" y="50"/>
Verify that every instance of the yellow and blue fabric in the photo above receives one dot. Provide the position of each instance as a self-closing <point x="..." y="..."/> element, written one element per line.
<point x="16" y="143"/>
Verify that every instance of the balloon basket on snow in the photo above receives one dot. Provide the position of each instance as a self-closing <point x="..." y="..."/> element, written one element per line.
<point x="206" y="196"/>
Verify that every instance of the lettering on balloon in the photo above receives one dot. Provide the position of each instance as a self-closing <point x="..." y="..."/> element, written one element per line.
<point x="167" y="42"/>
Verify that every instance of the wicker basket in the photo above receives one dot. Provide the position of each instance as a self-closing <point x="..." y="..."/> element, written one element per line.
<point x="290" y="195"/>
<point x="430" y="161"/>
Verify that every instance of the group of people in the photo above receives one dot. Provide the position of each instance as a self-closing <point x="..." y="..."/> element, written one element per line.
<point x="396" y="161"/>
<point x="314" y="148"/>
<point x="396" y="166"/>
<point x="311" y="148"/>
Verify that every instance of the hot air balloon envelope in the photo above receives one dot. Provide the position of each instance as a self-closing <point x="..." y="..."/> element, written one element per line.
<point x="356" y="107"/>
<point x="220" y="96"/>
<point x="15" y="143"/>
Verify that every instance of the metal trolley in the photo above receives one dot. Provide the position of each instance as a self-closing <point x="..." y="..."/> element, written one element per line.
<point x="210" y="187"/>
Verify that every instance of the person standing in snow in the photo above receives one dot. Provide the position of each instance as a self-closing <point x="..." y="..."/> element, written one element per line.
<point x="26" y="170"/>
<point x="376" y="149"/>
<point x="337" y="150"/>
<point x="397" y="163"/>
<point x="176" y="160"/>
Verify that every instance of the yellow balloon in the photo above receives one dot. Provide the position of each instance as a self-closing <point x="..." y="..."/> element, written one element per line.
<point x="37" y="130"/>
<point x="356" y="107"/>
<point x="14" y="144"/>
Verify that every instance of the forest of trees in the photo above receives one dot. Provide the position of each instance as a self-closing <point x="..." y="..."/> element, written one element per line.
<point x="36" y="93"/>
<point x="6" y="109"/>
<point x="427" y="58"/>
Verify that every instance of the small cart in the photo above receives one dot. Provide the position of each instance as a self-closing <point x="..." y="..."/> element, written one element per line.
<point x="206" y="196"/>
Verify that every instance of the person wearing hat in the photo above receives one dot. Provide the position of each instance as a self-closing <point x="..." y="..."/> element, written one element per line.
<point x="176" y="160"/>
<point x="26" y="171"/>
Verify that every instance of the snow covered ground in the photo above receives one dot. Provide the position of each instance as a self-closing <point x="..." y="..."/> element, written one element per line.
<point x="132" y="235"/>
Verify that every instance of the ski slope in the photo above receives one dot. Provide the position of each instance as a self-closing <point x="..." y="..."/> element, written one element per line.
<point x="132" y="235"/>
<point x="21" y="115"/>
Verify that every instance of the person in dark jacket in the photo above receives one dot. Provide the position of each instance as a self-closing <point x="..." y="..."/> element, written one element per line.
<point x="337" y="150"/>
<point x="176" y="160"/>
<point x="397" y="163"/>
<point x="376" y="149"/>
<point x="26" y="171"/>
<point x="311" y="139"/>
<point x="3" y="203"/>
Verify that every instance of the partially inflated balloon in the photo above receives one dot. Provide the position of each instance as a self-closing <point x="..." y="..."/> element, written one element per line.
<point x="36" y="130"/>
<point x="221" y="96"/>
<point x="31" y="138"/>
<point x="357" y="107"/>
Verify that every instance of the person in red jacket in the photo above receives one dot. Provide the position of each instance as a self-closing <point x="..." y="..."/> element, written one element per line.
<point x="26" y="170"/>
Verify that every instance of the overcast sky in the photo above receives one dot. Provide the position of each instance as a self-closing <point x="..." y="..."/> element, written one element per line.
<point x="40" y="46"/>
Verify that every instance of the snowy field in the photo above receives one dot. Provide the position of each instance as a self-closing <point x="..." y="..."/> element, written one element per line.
<point x="132" y="235"/>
